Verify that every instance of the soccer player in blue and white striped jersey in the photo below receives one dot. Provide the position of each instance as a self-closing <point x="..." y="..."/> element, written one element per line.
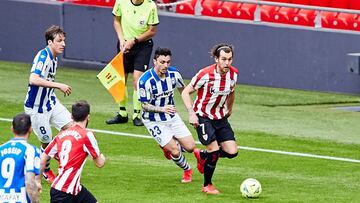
<point x="20" y="165"/>
<point x="41" y="102"/>
<point x="156" y="93"/>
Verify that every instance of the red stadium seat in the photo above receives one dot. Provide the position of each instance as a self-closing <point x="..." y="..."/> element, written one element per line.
<point x="210" y="7"/>
<point x="228" y="10"/>
<point x="307" y="17"/>
<point x="275" y="13"/>
<point x="331" y="19"/>
<point x="246" y="11"/>
<point x="186" y="8"/>
<point x="352" y="20"/>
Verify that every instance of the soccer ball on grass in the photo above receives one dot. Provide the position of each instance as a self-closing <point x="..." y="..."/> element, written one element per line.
<point x="250" y="188"/>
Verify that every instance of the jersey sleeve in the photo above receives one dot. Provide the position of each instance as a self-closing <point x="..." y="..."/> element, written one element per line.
<point x="179" y="80"/>
<point x="51" y="149"/>
<point x="91" y="146"/>
<point x="143" y="91"/>
<point x="197" y="81"/>
<point x="116" y="9"/>
<point x="32" y="160"/>
<point x="39" y="65"/>
<point x="153" y="17"/>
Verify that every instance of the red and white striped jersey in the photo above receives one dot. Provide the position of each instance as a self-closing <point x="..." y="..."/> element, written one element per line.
<point x="71" y="147"/>
<point x="213" y="90"/>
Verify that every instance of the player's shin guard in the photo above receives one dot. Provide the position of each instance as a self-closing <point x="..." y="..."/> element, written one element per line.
<point x="225" y="154"/>
<point x="137" y="105"/>
<point x="181" y="162"/>
<point x="210" y="165"/>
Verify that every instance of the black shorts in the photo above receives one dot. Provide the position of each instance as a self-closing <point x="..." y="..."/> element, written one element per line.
<point x="211" y="130"/>
<point x="138" y="57"/>
<point x="84" y="196"/>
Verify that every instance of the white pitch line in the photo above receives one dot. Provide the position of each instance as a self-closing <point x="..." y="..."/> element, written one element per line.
<point x="239" y="147"/>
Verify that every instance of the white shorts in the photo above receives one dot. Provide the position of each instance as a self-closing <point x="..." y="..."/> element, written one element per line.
<point x="164" y="131"/>
<point x="41" y="123"/>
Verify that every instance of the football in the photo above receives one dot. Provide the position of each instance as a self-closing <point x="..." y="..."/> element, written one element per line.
<point x="250" y="188"/>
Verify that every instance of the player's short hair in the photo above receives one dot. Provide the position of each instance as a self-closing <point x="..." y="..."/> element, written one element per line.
<point x="80" y="110"/>
<point x="162" y="52"/>
<point x="227" y="48"/>
<point x="21" y="124"/>
<point x="52" y="32"/>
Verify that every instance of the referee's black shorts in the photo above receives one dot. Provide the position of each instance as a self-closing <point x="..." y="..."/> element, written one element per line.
<point x="84" y="196"/>
<point x="138" y="57"/>
<point x="211" y="130"/>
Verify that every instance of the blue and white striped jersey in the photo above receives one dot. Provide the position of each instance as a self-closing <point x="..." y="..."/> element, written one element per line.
<point x="17" y="157"/>
<point x="42" y="98"/>
<point x="158" y="92"/>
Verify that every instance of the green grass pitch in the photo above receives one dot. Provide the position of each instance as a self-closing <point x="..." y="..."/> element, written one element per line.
<point x="266" y="118"/>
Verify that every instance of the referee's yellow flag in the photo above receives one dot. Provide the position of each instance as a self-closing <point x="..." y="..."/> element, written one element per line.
<point x="113" y="77"/>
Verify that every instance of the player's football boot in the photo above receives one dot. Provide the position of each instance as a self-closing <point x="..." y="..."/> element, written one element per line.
<point x="137" y="122"/>
<point x="210" y="189"/>
<point x="200" y="161"/>
<point x="49" y="176"/>
<point x="187" y="176"/>
<point x="117" y="119"/>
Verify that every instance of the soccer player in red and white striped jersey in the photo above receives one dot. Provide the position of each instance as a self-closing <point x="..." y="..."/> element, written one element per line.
<point x="71" y="147"/>
<point x="215" y="86"/>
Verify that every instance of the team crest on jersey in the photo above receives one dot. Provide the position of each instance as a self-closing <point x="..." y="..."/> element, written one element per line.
<point x="142" y="23"/>
<point x="173" y="81"/>
<point x="142" y="92"/>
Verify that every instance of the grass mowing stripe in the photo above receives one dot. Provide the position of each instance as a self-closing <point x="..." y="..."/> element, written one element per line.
<point x="239" y="147"/>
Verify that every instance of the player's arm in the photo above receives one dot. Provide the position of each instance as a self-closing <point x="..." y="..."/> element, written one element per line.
<point x="169" y="109"/>
<point x="119" y="31"/>
<point x="31" y="187"/>
<point x="35" y="79"/>
<point x="43" y="158"/>
<point x="189" y="89"/>
<point x="100" y="161"/>
<point x="151" y="32"/>
<point x="230" y="102"/>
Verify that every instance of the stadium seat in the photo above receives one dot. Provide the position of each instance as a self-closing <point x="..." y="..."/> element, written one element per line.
<point x="246" y="11"/>
<point x="229" y="10"/>
<point x="276" y="14"/>
<point x="186" y="8"/>
<point x="307" y="17"/>
<point x="331" y="19"/>
<point x="210" y="7"/>
<point x="352" y="20"/>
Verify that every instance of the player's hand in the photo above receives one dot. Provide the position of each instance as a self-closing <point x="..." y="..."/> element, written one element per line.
<point x="170" y="109"/>
<point x="128" y="45"/>
<point x="194" y="120"/>
<point x="66" y="89"/>
<point x="121" y="45"/>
